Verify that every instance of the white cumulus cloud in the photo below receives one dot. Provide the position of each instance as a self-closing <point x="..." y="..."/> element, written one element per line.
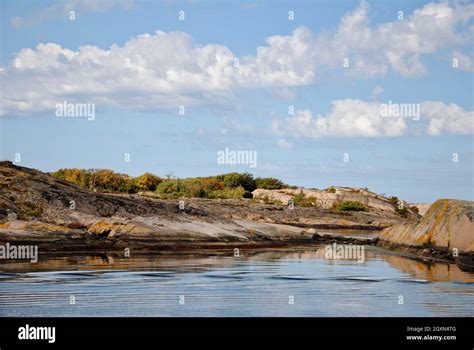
<point x="347" y="117"/>
<point x="166" y="70"/>
<point x="447" y="118"/>
<point x="354" y="118"/>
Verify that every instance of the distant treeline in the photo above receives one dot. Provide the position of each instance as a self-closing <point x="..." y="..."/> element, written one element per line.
<point x="231" y="185"/>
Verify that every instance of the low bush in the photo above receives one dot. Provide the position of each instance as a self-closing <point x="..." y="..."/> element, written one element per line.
<point x="301" y="200"/>
<point x="173" y="188"/>
<point x="231" y="185"/>
<point x="350" y="206"/>
<point x="269" y="183"/>
<point x="234" y="180"/>
<point x="402" y="211"/>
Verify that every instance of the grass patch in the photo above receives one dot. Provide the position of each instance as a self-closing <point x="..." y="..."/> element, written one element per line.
<point x="267" y="200"/>
<point x="350" y="206"/>
<point x="301" y="200"/>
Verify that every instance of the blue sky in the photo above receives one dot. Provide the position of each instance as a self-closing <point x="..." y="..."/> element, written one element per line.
<point x="46" y="59"/>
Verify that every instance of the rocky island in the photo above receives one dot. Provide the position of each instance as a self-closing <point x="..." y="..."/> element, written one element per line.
<point x="58" y="215"/>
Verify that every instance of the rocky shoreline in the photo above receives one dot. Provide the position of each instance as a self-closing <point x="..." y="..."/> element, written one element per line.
<point x="57" y="216"/>
<point x="446" y="231"/>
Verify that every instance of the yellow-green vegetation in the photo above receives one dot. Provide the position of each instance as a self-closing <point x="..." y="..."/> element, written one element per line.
<point x="301" y="200"/>
<point x="269" y="183"/>
<point x="29" y="210"/>
<point x="147" y="182"/>
<point x="265" y="199"/>
<point x="350" y="206"/>
<point x="102" y="180"/>
<point x="403" y="211"/>
<point x="394" y="200"/>
<point x="231" y="185"/>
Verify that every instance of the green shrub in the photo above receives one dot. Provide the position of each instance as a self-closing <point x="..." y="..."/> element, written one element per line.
<point x="403" y="211"/>
<point x="298" y="198"/>
<point x="128" y="187"/>
<point x="228" y="193"/>
<point x="234" y="180"/>
<point x="350" y="206"/>
<point x="308" y="202"/>
<point x="201" y="188"/>
<point x="231" y="185"/>
<point x="302" y="201"/>
<point x="172" y="189"/>
<point x="267" y="200"/>
<point x="394" y="200"/>
<point x="269" y="183"/>
<point x="247" y="194"/>
<point x="192" y="188"/>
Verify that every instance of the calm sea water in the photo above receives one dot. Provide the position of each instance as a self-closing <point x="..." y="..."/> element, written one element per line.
<point x="276" y="282"/>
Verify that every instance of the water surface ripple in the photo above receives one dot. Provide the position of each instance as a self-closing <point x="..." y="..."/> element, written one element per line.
<point x="255" y="284"/>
